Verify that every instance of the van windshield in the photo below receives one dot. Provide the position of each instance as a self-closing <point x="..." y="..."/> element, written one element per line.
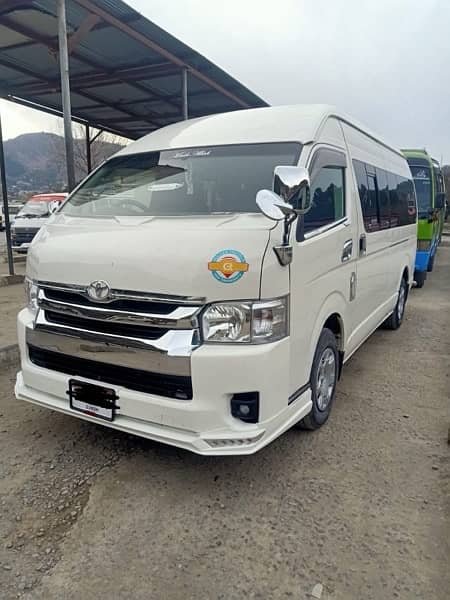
<point x="32" y="209"/>
<point x="422" y="181"/>
<point x="190" y="181"/>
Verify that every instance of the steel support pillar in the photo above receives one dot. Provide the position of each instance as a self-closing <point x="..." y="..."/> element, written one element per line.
<point x="184" y="93"/>
<point x="88" y="148"/>
<point x="65" y="93"/>
<point x="5" y="204"/>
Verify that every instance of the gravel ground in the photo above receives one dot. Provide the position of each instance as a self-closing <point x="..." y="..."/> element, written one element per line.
<point x="357" y="510"/>
<point x="12" y="299"/>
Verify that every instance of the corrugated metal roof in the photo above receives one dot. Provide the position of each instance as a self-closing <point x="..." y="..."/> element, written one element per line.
<point x="125" y="70"/>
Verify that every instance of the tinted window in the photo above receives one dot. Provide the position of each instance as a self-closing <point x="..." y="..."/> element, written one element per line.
<point x="327" y="196"/>
<point x="189" y="181"/>
<point x="384" y="204"/>
<point x="367" y="195"/>
<point x="407" y="201"/>
<point x="439" y="181"/>
<point x="387" y="200"/>
<point x="422" y="182"/>
<point x="394" y="200"/>
<point x="418" y="162"/>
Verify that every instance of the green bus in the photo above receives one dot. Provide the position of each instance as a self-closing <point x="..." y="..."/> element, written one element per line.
<point x="430" y="191"/>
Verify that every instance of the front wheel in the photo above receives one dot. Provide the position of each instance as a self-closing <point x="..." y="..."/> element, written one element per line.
<point x="323" y="380"/>
<point x="396" y="319"/>
<point x="431" y="263"/>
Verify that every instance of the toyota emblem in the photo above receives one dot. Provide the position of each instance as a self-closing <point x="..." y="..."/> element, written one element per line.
<point x="99" y="291"/>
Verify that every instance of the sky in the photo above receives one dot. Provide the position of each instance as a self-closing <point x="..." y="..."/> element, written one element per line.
<point x="385" y="63"/>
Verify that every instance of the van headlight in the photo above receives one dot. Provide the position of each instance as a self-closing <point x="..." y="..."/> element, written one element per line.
<point x="249" y="322"/>
<point x="31" y="292"/>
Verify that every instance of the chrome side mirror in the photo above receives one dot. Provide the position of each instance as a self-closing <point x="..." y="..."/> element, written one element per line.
<point x="272" y="206"/>
<point x="53" y="206"/>
<point x="293" y="185"/>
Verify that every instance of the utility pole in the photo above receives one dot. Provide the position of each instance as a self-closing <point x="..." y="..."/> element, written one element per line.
<point x="65" y="93"/>
<point x="184" y="93"/>
<point x="5" y="204"/>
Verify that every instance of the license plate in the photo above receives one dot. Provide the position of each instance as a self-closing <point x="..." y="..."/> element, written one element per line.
<point x="93" y="400"/>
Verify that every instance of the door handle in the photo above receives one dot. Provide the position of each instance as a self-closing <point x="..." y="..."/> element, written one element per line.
<point x="362" y="244"/>
<point x="347" y="251"/>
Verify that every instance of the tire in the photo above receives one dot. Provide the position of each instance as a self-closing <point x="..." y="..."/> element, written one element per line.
<point x="419" y="278"/>
<point x="396" y="319"/>
<point x="325" y="367"/>
<point x="431" y="263"/>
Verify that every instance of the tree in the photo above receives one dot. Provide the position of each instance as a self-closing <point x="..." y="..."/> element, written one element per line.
<point x="103" y="145"/>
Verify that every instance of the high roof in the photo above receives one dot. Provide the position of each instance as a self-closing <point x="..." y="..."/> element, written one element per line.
<point x="125" y="71"/>
<point x="294" y="123"/>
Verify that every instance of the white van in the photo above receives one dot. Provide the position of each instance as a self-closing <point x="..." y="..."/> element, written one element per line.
<point x="204" y="286"/>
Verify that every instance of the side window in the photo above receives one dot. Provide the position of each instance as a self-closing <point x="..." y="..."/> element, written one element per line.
<point x="439" y="181"/>
<point x="407" y="201"/>
<point x="387" y="200"/>
<point x="370" y="210"/>
<point x="327" y="196"/>
<point x="394" y="199"/>
<point x="367" y="189"/>
<point x="384" y="205"/>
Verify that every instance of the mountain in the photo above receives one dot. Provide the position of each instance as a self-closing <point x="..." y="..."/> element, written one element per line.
<point x="35" y="162"/>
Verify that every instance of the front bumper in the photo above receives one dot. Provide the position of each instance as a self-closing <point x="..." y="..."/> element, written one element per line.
<point x="204" y="424"/>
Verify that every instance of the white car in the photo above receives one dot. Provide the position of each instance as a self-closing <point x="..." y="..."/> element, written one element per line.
<point x="31" y="217"/>
<point x="204" y="287"/>
<point x="13" y="209"/>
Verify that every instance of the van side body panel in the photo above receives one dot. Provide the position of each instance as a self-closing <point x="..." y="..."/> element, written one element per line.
<point x="388" y="251"/>
<point x="320" y="281"/>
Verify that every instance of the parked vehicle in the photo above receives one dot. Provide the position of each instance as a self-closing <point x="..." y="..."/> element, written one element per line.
<point x="441" y="198"/>
<point x="430" y="190"/>
<point x="31" y="217"/>
<point x="164" y="301"/>
<point x="13" y="209"/>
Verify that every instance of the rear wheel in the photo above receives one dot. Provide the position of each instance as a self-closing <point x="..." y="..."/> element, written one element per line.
<point x="419" y="278"/>
<point x="323" y="380"/>
<point x="395" y="320"/>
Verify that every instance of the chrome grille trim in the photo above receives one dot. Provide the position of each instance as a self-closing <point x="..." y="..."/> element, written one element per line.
<point x="109" y="353"/>
<point x="183" y="339"/>
<point x="150" y="332"/>
<point x="126" y="295"/>
<point x="170" y="354"/>
<point x="182" y="317"/>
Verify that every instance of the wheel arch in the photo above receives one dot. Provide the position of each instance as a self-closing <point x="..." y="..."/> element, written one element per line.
<point x="332" y="316"/>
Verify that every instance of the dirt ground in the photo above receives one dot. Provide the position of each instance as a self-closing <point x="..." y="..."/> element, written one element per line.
<point x="12" y="298"/>
<point x="359" y="507"/>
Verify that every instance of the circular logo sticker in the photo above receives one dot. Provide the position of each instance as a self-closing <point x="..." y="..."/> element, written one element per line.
<point x="228" y="266"/>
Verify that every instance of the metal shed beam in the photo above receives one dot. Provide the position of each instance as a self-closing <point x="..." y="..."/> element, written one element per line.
<point x="65" y="93"/>
<point x="86" y="26"/>
<point x="156" y="48"/>
<point x="53" y="46"/>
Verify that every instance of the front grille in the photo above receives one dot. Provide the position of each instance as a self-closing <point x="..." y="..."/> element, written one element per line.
<point x="170" y="386"/>
<point x="108" y="327"/>
<point x="161" y="308"/>
<point x="24" y="237"/>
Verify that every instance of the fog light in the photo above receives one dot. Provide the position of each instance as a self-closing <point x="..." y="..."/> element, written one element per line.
<point x="245" y="406"/>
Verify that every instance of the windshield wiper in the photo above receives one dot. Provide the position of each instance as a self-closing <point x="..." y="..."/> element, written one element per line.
<point x="31" y="216"/>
